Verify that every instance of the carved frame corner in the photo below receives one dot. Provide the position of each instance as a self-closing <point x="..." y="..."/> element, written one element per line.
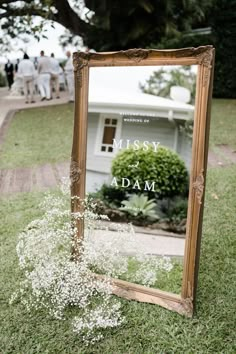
<point x="187" y="305"/>
<point x="80" y="60"/>
<point x="206" y="57"/>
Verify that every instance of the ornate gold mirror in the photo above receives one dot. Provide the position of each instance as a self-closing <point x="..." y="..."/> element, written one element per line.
<point x="140" y="154"/>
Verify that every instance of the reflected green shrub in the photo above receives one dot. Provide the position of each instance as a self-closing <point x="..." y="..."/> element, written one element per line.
<point x="173" y="209"/>
<point x="164" y="167"/>
<point x="140" y="206"/>
<point x="110" y="195"/>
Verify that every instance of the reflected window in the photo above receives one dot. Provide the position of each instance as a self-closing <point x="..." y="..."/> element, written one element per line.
<point x="109" y="129"/>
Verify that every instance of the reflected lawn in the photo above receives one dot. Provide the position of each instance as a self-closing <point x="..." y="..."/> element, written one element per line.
<point x="170" y="281"/>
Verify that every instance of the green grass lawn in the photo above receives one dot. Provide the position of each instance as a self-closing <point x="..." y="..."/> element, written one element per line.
<point x="148" y="328"/>
<point x="43" y="135"/>
<point x="168" y="281"/>
<point x="223" y="122"/>
<point x="37" y="136"/>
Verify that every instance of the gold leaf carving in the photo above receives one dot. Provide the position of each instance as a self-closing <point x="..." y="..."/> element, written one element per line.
<point x="205" y="59"/>
<point x="86" y="56"/>
<point x="198" y="185"/>
<point x="188" y="306"/>
<point x="79" y="63"/>
<point x="136" y="54"/>
<point x="75" y="172"/>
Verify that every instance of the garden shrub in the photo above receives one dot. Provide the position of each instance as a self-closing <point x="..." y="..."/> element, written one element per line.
<point x="174" y="209"/>
<point x="140" y="206"/>
<point x="164" y="167"/>
<point x="110" y="195"/>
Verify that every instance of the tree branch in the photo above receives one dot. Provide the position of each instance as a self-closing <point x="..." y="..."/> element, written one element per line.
<point x="65" y="15"/>
<point x="68" y="18"/>
<point x="23" y="12"/>
<point x="8" y="2"/>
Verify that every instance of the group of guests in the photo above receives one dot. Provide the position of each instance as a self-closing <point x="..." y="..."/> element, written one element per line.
<point x="43" y="73"/>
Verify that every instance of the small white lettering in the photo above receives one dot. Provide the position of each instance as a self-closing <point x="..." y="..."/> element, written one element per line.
<point x="156" y="144"/>
<point x="136" y="144"/>
<point x="135" y="165"/>
<point x="123" y="183"/>
<point x="114" y="182"/>
<point x="149" y="187"/>
<point x="136" y="185"/>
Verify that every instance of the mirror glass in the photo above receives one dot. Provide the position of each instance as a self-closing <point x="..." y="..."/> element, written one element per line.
<point x="139" y="146"/>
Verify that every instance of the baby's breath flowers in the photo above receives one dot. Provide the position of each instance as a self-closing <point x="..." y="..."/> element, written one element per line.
<point x="53" y="280"/>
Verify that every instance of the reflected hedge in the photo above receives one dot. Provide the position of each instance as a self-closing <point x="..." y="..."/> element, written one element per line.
<point x="164" y="167"/>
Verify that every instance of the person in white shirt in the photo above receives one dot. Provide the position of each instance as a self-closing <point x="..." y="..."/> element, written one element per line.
<point x="55" y="71"/>
<point x="44" y="70"/>
<point x="27" y="71"/>
<point x="69" y="71"/>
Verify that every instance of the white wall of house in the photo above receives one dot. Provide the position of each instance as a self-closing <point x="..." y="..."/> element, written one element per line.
<point x="95" y="162"/>
<point x="158" y="130"/>
<point x="184" y="149"/>
<point x="94" y="180"/>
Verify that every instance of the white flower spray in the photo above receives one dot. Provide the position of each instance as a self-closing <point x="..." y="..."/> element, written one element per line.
<point x="53" y="280"/>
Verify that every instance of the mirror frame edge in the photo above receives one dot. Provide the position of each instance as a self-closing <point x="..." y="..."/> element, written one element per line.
<point x="203" y="57"/>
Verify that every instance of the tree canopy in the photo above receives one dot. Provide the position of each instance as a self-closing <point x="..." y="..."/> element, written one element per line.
<point x="105" y="24"/>
<point x="161" y="81"/>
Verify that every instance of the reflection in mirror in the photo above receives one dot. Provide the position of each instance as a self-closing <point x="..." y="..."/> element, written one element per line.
<point x="139" y="141"/>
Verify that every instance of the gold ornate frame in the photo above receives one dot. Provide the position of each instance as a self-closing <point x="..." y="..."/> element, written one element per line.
<point x="204" y="58"/>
